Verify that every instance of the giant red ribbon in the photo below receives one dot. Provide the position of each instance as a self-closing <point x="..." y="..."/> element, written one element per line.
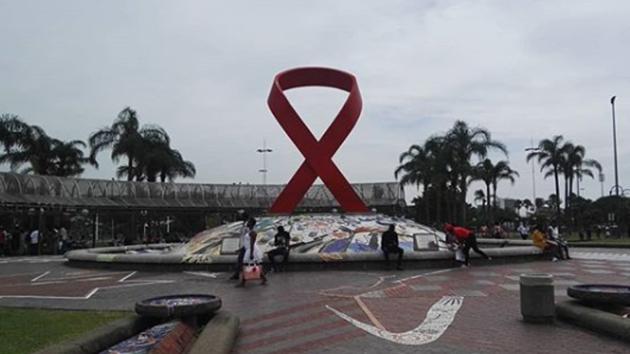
<point x="318" y="154"/>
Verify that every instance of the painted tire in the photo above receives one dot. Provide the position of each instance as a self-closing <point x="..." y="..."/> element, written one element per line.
<point x="183" y="305"/>
<point x="601" y="293"/>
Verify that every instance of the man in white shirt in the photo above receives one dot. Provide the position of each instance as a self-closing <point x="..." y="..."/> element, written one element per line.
<point x="245" y="241"/>
<point x="523" y="231"/>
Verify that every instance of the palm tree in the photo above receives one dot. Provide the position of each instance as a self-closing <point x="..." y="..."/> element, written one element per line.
<point x="483" y="171"/>
<point x="10" y="128"/>
<point x="158" y="159"/>
<point x="490" y="174"/>
<point x="124" y="137"/>
<point x="68" y="158"/>
<point x="465" y="142"/>
<point x="551" y="156"/>
<point x="502" y="171"/>
<point x="413" y="171"/>
<point x="480" y="196"/>
<point x="577" y="165"/>
<point x="45" y="155"/>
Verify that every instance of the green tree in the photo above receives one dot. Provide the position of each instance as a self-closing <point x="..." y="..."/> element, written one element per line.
<point x="125" y="138"/>
<point x="463" y="143"/>
<point x="551" y="157"/>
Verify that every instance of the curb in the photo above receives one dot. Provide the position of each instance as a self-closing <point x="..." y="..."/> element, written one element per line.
<point x="596" y="245"/>
<point x="219" y="335"/>
<point x="306" y="262"/>
<point x="594" y="319"/>
<point x="101" y="337"/>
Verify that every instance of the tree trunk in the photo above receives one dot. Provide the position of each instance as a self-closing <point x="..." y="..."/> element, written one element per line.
<point x="130" y="167"/>
<point x="488" y="209"/>
<point x="555" y="175"/>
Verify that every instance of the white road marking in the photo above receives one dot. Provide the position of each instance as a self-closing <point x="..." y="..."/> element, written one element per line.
<point x="203" y="274"/>
<point x="124" y="280"/>
<point x="602" y="256"/>
<point x="423" y="275"/>
<point x="40" y="276"/>
<point x="438" y="319"/>
<point x="127" y="277"/>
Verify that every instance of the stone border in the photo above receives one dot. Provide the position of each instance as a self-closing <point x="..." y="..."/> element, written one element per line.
<point x="586" y="244"/>
<point x="219" y="335"/>
<point x="594" y="319"/>
<point x="517" y="251"/>
<point x="102" y="337"/>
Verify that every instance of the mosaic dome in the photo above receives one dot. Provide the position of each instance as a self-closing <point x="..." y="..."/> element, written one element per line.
<point x="315" y="234"/>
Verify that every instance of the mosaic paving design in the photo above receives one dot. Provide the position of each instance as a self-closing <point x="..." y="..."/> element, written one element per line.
<point x="143" y="342"/>
<point x="316" y="234"/>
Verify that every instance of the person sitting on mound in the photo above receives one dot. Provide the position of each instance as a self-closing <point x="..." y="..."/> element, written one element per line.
<point x="389" y="244"/>
<point x="540" y="240"/>
<point x="281" y="241"/>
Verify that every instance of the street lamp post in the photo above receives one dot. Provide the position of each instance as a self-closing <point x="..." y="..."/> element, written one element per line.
<point x="264" y="150"/>
<point x="612" y="103"/>
<point x="533" y="148"/>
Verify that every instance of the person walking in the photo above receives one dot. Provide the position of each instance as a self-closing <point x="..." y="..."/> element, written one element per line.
<point x="281" y="242"/>
<point x="246" y="229"/>
<point x="468" y="239"/>
<point x="389" y="244"/>
<point x="254" y="257"/>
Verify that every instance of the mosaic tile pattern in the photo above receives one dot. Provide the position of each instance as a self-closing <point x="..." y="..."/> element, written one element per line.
<point x="317" y="234"/>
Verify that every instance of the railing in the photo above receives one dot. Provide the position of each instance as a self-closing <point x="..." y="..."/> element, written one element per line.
<point x="18" y="189"/>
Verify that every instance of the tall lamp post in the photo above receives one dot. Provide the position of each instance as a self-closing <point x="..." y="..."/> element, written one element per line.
<point x="612" y="103"/>
<point x="533" y="148"/>
<point x="264" y="150"/>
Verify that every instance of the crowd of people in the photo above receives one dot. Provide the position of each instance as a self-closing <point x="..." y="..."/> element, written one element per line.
<point x="34" y="242"/>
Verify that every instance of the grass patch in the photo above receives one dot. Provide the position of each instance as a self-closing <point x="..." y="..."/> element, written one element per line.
<point x="29" y="330"/>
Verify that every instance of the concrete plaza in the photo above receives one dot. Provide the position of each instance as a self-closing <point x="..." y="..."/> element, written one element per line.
<point x="317" y="312"/>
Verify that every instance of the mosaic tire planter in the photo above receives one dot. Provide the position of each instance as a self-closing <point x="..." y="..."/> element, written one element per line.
<point x="601" y="293"/>
<point x="178" y="306"/>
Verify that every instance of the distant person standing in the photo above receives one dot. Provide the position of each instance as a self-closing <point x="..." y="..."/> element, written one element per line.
<point x="281" y="242"/>
<point x="389" y="244"/>
<point x="3" y="241"/>
<point x="523" y="231"/>
<point x="34" y="242"/>
<point x="468" y="239"/>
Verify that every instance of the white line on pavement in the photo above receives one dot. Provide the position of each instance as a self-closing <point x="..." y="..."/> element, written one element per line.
<point x="40" y="276"/>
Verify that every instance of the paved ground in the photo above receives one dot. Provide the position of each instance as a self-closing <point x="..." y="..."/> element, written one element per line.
<point x="473" y="310"/>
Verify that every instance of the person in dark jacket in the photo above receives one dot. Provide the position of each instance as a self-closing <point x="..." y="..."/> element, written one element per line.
<point x="389" y="244"/>
<point x="281" y="241"/>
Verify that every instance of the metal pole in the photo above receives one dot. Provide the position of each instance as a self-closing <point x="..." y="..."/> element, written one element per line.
<point x="601" y="182"/>
<point x="578" y="186"/>
<point x="533" y="148"/>
<point x="264" y="152"/>
<point x="612" y="102"/>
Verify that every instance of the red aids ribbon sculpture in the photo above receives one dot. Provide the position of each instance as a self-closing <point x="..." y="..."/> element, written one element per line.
<point x="318" y="154"/>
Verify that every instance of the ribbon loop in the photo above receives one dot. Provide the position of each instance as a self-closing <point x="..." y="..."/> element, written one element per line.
<point x="317" y="154"/>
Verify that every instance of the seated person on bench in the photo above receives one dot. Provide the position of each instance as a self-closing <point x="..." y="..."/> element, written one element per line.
<point x="281" y="241"/>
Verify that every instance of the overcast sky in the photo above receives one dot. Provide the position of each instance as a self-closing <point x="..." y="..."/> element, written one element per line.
<point x="202" y="70"/>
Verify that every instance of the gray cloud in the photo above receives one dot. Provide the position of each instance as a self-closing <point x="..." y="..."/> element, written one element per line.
<point x="202" y="70"/>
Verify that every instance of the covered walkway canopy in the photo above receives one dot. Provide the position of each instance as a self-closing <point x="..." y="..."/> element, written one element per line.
<point x="17" y="190"/>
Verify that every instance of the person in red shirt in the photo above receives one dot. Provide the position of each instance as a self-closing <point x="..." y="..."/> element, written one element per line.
<point x="467" y="238"/>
